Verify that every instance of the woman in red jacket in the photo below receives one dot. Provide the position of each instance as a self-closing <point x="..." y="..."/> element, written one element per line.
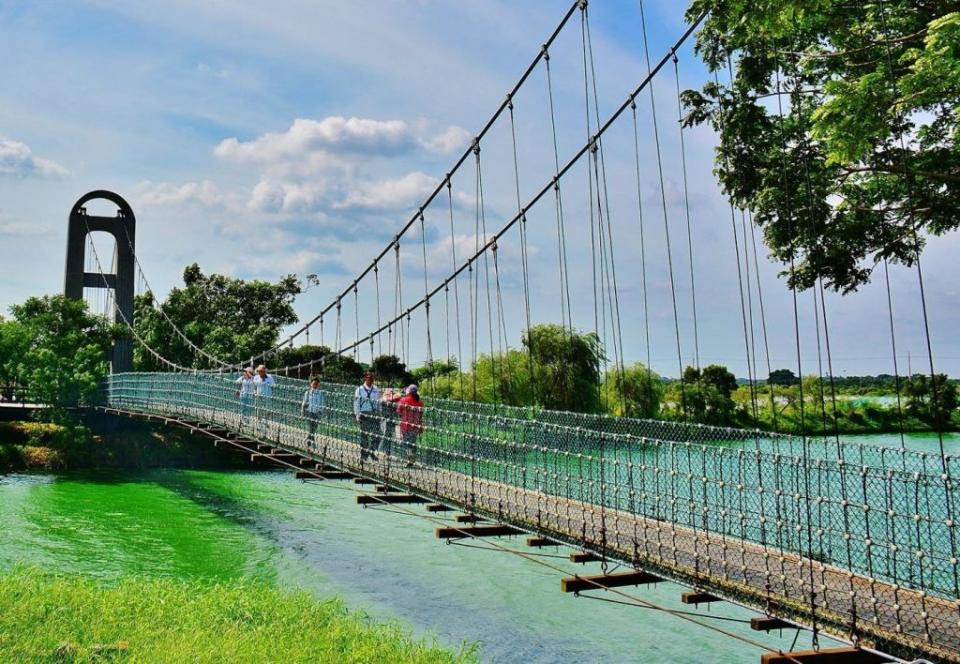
<point x="410" y="409"/>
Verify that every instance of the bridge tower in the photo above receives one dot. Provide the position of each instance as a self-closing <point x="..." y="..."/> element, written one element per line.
<point x="123" y="228"/>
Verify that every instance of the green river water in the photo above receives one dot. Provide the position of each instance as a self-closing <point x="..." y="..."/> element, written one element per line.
<point x="266" y="525"/>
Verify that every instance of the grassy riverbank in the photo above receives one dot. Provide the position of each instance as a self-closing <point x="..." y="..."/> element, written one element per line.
<point x="73" y="619"/>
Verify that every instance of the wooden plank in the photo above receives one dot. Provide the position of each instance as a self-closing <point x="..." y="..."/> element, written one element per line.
<point x="846" y="655"/>
<point x="385" y="488"/>
<point x="336" y="475"/>
<point x="388" y="498"/>
<point x="307" y="475"/>
<point x="699" y="598"/>
<point x="541" y="541"/>
<point x="477" y="531"/>
<point x="364" y="480"/>
<point x="467" y="518"/>
<point x="769" y="624"/>
<point x="439" y="507"/>
<point x="576" y="584"/>
<point x="262" y="456"/>
<point x="585" y="557"/>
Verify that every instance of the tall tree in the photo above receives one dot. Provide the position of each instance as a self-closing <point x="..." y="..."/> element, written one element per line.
<point x="864" y="160"/>
<point x="566" y="367"/>
<point x="782" y="377"/>
<point x="932" y="401"/>
<point x="633" y="392"/>
<point x="57" y="348"/>
<point x="391" y="371"/>
<point x="228" y="318"/>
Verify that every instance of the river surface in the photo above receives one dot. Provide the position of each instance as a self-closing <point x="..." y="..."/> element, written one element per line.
<point x="268" y="526"/>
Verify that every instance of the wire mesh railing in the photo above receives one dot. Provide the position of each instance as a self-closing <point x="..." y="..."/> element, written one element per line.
<point x="847" y="509"/>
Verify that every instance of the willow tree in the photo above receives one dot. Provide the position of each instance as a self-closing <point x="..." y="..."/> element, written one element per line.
<point x="838" y="126"/>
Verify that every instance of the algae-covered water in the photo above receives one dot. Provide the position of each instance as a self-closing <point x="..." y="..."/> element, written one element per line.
<point x="266" y="525"/>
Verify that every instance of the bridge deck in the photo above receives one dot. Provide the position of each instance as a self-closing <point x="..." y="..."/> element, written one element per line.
<point x="894" y="619"/>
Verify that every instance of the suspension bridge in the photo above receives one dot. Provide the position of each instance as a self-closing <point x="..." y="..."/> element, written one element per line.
<point x="852" y="540"/>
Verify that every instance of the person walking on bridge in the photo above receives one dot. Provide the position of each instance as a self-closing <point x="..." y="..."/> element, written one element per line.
<point x="245" y="392"/>
<point x="312" y="408"/>
<point x="366" y="409"/>
<point x="410" y="408"/>
<point x="263" y="385"/>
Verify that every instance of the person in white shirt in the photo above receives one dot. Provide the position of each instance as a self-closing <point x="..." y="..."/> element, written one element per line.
<point x="366" y="409"/>
<point x="245" y="391"/>
<point x="312" y="408"/>
<point x="263" y="382"/>
<point x="263" y="385"/>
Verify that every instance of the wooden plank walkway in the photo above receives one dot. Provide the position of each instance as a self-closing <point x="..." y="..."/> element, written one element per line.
<point x="890" y="618"/>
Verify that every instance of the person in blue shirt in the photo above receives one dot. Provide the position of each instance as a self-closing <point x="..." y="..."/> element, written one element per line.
<point x="366" y="409"/>
<point x="312" y="409"/>
<point x="245" y="391"/>
<point x="263" y="385"/>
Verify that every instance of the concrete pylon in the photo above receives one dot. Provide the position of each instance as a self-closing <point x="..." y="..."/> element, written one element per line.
<point x="123" y="228"/>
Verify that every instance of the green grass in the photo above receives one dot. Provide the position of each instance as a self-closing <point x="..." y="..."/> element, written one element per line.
<point x="47" y="618"/>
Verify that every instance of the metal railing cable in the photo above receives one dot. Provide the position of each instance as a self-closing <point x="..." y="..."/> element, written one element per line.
<point x="468" y="264"/>
<point x="414" y="219"/>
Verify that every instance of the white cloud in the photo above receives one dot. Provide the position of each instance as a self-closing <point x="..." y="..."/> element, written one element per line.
<point x="332" y="134"/>
<point x="159" y="194"/>
<point x="10" y="227"/>
<point x="452" y="139"/>
<point x="391" y="194"/>
<point x="308" y="139"/>
<point x="17" y="159"/>
<point x="277" y="196"/>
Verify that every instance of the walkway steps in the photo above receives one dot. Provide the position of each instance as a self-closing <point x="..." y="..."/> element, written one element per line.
<point x="467" y="518"/>
<point x="576" y="584"/>
<point x="439" y="507"/>
<point x="697" y="598"/>
<point x="585" y="557"/>
<point x="541" y="541"/>
<point x="336" y="475"/>
<point x="389" y="498"/>
<point x="769" y="624"/>
<point x="477" y="531"/>
<point x="824" y="656"/>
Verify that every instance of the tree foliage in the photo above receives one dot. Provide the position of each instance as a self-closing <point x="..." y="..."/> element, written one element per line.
<point x="931" y="401"/>
<point x="782" y="377"/>
<point x="391" y="371"/>
<point x="57" y="348"/>
<point x="864" y="160"/>
<point x="228" y="318"/>
<point x="705" y="395"/>
<point x="633" y="392"/>
<point x="321" y="362"/>
<point x="566" y="367"/>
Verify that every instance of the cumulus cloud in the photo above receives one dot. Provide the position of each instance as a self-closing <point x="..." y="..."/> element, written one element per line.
<point x="391" y="194"/>
<point x="275" y="196"/>
<point x="17" y="159"/>
<point x="337" y="135"/>
<point x="332" y="134"/>
<point x="159" y="194"/>
<point x="449" y="140"/>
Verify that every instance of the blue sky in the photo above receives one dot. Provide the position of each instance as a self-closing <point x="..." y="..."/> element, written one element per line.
<point x="260" y="139"/>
